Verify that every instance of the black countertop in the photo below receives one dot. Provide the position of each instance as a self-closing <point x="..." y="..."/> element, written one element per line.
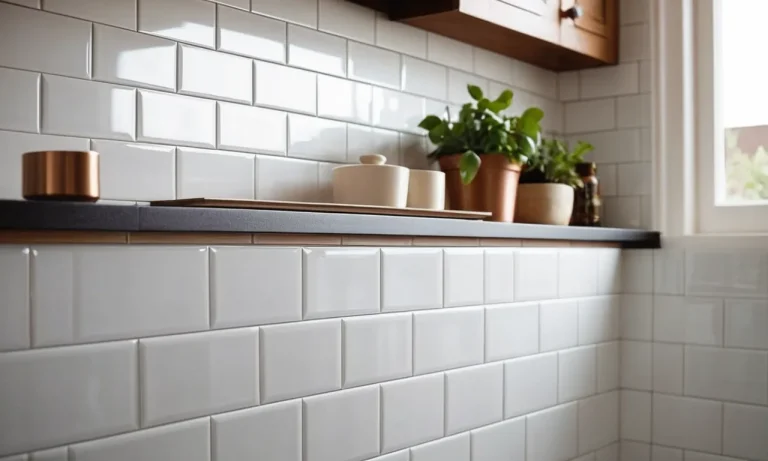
<point x="24" y="215"/>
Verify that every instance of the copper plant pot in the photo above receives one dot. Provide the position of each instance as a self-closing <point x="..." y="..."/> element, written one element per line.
<point x="494" y="188"/>
<point x="61" y="175"/>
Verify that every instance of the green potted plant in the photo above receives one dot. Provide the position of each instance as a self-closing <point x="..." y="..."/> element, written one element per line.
<point x="545" y="195"/>
<point x="482" y="152"/>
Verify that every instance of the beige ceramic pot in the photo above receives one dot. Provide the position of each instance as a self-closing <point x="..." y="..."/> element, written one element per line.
<point x="426" y="189"/>
<point x="371" y="183"/>
<point x="544" y="204"/>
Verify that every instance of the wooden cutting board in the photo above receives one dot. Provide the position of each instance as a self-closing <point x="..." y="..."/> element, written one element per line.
<point x="320" y="207"/>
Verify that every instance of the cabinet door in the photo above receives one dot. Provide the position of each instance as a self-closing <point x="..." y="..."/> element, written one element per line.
<point x="536" y="18"/>
<point x="595" y="32"/>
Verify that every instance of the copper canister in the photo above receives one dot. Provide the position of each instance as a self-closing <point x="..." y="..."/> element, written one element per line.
<point x="61" y="175"/>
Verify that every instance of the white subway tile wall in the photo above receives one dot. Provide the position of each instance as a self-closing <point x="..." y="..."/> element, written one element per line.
<point x="152" y="71"/>
<point x="609" y="107"/>
<point x="694" y="354"/>
<point x="292" y="353"/>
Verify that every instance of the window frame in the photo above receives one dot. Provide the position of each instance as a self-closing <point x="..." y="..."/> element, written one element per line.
<point x="685" y="117"/>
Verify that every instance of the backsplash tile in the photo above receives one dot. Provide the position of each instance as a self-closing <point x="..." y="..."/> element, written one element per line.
<point x="251" y="35"/>
<point x="316" y="51"/>
<point x="182" y="20"/>
<point x="448" y="338"/>
<point x="217" y="75"/>
<point x="463" y="275"/>
<point x="21" y="92"/>
<point x="411" y="279"/>
<point x="473" y="397"/>
<point x="377" y="348"/>
<point x="134" y="171"/>
<point x="212" y="173"/>
<point x="236" y="131"/>
<point x="412" y="411"/>
<point x="14" y="305"/>
<point x="172" y="119"/>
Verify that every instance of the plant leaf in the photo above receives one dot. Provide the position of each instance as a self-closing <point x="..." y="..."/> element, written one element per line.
<point x="469" y="163"/>
<point x="581" y="149"/>
<point x="475" y="92"/>
<point x="437" y="134"/>
<point x="430" y="122"/>
<point x="504" y="100"/>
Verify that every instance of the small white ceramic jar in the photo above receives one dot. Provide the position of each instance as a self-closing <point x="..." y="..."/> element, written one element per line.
<point x="371" y="183"/>
<point x="426" y="189"/>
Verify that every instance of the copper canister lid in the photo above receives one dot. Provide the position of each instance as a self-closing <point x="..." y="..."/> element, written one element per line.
<point x="61" y="175"/>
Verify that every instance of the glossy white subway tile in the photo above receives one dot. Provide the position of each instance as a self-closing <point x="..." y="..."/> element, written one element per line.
<point x="216" y="75"/>
<point x="20" y="93"/>
<point x="44" y="42"/>
<point x="424" y="78"/>
<point x="599" y="319"/>
<point x="637" y="271"/>
<point x="27" y="3"/>
<point x="463" y="276"/>
<point x="363" y="140"/>
<point x="577" y="273"/>
<point x="608" y="180"/>
<point x="534" y="275"/>
<point x="214" y="173"/>
<point x="636" y="365"/>
<point x="505" y="440"/>
<point x="289" y="179"/>
<point x="397" y="111"/>
<point x="609" y="453"/>
<point x="634" y="43"/>
<point x="241" y="32"/>
<point x="251" y="129"/>
<point x="317" y="139"/>
<point x="609" y="81"/>
<point x="634" y="451"/>
<point x="552" y="434"/>
<point x="511" y="330"/>
<point x="175" y="119"/>
<point x="666" y="454"/>
<point x="189" y="440"/>
<point x="683" y="422"/>
<point x="636" y="416"/>
<point x="568" y="86"/>
<point x="744" y="431"/>
<point x="53" y="454"/>
<point x="132" y="171"/>
<point x="447" y="338"/>
<point x="373" y="65"/>
<point x="97" y="293"/>
<point x="608" y="359"/>
<point x="617" y="146"/>
<point x="412" y="411"/>
<point x="498" y="270"/>
<point x="400" y="37"/>
<point x="449" y="52"/>
<point x="689" y="320"/>
<point x="559" y="324"/>
<point x="177" y="385"/>
<point x="346" y="19"/>
<point x="48" y="396"/>
<point x="302" y="12"/>
<point x="14" y="305"/>
<point x="282" y="87"/>
<point x="377" y="348"/>
<point x="734" y="273"/>
<point x="696" y="456"/>
<point x="668" y="368"/>
<point x="313" y="50"/>
<point x="598" y="421"/>
<point x="474" y="397"/>
<point x="341" y="281"/>
<point x="299" y="359"/>
<point x="241" y="4"/>
<point x="457" y="86"/>
<point x="494" y="66"/>
<point x="746" y="324"/>
<point x="15" y="144"/>
<point x="254" y="286"/>
<point x="342" y="99"/>
<point x="129" y="58"/>
<point x="120" y="13"/>
<point x="454" y="448"/>
<point x="82" y="108"/>
<point x="191" y="21"/>
<point x="272" y="431"/>
<point x="343" y="426"/>
<point x="535" y="79"/>
<point x="577" y="373"/>
<point x="592" y="115"/>
<point x="324" y="181"/>
<point x="727" y="374"/>
<point x="635" y="179"/>
<point x="634" y="11"/>
<point x="637" y="317"/>
<point x="530" y="384"/>
<point x="412" y="278"/>
<point x="403" y="455"/>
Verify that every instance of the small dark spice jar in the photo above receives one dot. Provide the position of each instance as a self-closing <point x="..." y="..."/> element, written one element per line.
<point x="587" y="205"/>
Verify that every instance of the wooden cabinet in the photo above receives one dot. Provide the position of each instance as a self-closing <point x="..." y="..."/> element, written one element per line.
<point x="536" y="31"/>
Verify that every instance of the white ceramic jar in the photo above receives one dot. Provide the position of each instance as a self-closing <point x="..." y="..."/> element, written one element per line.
<point x="426" y="189"/>
<point x="371" y="183"/>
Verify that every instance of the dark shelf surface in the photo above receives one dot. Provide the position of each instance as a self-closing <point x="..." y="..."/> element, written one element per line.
<point x="25" y="215"/>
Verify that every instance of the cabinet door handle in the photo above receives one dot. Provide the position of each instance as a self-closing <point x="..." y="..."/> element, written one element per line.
<point x="574" y="12"/>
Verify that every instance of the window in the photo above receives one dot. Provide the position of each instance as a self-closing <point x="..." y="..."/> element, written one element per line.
<point x="731" y="104"/>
